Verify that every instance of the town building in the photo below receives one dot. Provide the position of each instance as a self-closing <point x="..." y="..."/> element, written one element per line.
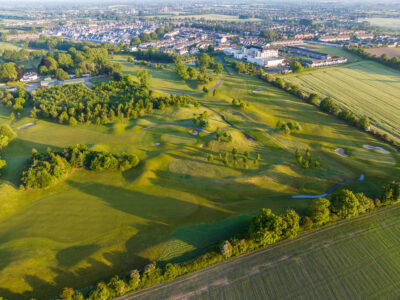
<point x="302" y="51"/>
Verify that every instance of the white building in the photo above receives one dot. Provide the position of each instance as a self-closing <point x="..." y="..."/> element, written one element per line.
<point x="261" y="56"/>
<point x="31" y="76"/>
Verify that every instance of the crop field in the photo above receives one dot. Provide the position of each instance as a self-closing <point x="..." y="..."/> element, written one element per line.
<point x="175" y="204"/>
<point x="355" y="259"/>
<point x="366" y="88"/>
<point x="390" y="52"/>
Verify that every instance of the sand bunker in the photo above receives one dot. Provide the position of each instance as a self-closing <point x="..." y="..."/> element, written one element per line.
<point x="157" y="144"/>
<point x="203" y="146"/>
<point x="379" y="149"/>
<point x="259" y="91"/>
<point x="26" y="126"/>
<point x="195" y="132"/>
<point x="340" y="151"/>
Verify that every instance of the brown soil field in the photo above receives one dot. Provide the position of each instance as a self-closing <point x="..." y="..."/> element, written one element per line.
<point x="391" y="52"/>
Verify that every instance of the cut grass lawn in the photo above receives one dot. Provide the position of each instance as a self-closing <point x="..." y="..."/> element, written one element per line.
<point x="95" y="225"/>
<point x="354" y="259"/>
<point x="366" y="88"/>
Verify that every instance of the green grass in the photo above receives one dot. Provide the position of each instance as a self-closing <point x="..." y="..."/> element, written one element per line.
<point x="166" y="79"/>
<point x="389" y="23"/>
<point x="366" y="88"/>
<point x="95" y="225"/>
<point x="8" y="46"/>
<point x="355" y="259"/>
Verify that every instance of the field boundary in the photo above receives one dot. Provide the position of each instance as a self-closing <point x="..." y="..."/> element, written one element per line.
<point x="234" y="260"/>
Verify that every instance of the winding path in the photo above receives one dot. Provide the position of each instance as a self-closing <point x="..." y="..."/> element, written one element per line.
<point x="362" y="176"/>
<point x="250" y="138"/>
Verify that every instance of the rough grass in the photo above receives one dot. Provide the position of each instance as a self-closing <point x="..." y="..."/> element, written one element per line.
<point x="366" y="88"/>
<point x="355" y="259"/>
<point x="95" y="225"/>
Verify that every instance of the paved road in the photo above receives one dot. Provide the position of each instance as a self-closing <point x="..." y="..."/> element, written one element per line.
<point x="331" y="189"/>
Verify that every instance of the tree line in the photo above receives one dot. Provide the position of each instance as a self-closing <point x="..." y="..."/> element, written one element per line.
<point x="264" y="229"/>
<point x="393" y="62"/>
<point x="45" y="169"/>
<point x="328" y="105"/>
<point x="6" y="136"/>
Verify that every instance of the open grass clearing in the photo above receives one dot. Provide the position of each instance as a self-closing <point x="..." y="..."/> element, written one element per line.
<point x="59" y="237"/>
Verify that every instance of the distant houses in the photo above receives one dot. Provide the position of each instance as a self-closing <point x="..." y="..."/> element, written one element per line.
<point x="302" y="51"/>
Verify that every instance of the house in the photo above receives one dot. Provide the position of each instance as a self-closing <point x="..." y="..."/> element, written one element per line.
<point x="30" y="76"/>
<point x="325" y="62"/>
<point x="339" y="38"/>
<point x="306" y="52"/>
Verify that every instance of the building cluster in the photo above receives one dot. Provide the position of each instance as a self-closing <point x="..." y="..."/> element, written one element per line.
<point x="261" y="56"/>
<point x="102" y="32"/>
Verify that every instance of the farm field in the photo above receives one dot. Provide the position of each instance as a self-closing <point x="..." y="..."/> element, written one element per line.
<point x="365" y="87"/>
<point x="355" y="259"/>
<point x="176" y="204"/>
<point x="390" y="52"/>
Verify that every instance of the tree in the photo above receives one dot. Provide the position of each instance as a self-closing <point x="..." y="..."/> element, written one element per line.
<point x="67" y="293"/>
<point x="296" y="66"/>
<point x="313" y="99"/>
<point x="145" y="37"/>
<point x="61" y="74"/>
<point x="8" y="72"/>
<point x="345" y="204"/>
<point x="6" y="135"/>
<point x="210" y="158"/>
<point x="366" y="204"/>
<point x="73" y="121"/>
<point x="306" y="222"/>
<point x="135" y="41"/>
<point x="364" y="122"/>
<point x="3" y="163"/>
<point x="204" y="60"/>
<point x="268" y="228"/>
<point x="269" y="35"/>
<point x="218" y="68"/>
<point x="192" y="73"/>
<point x="318" y="211"/>
<point x="390" y="192"/>
<point x="226" y="249"/>
<point x="327" y="105"/>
